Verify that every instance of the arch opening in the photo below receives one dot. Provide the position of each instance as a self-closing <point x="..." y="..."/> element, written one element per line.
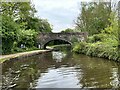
<point x="56" y="42"/>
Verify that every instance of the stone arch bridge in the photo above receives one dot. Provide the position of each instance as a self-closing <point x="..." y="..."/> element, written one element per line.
<point x="44" y="38"/>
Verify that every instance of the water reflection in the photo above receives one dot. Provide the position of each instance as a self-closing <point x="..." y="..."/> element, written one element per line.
<point x="61" y="69"/>
<point x="58" y="55"/>
<point x="64" y="77"/>
<point x="114" y="79"/>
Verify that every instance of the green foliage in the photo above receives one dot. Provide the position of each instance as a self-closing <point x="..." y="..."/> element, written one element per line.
<point x="67" y="30"/>
<point x="27" y="38"/>
<point x="74" y="39"/>
<point x="19" y="26"/>
<point x="17" y="10"/>
<point x="39" y="25"/>
<point x="17" y="49"/>
<point x="101" y="22"/>
<point x="112" y="28"/>
<point x="98" y="49"/>
<point x="9" y="34"/>
<point x="93" y="17"/>
<point x="96" y="38"/>
<point x="104" y="44"/>
<point x="78" y="47"/>
<point x="99" y="45"/>
<point x="13" y="36"/>
<point x="45" y="26"/>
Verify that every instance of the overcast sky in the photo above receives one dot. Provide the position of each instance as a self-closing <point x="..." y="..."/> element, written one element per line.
<point x="60" y="13"/>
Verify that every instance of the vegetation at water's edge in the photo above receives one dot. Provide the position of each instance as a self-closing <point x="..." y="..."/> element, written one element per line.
<point x="100" y="20"/>
<point x="98" y="49"/>
<point x="20" y="27"/>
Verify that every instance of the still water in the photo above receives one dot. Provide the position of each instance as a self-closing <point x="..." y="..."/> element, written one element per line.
<point x="60" y="69"/>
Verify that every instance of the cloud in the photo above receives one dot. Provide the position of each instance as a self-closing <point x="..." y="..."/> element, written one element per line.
<point x="60" y="13"/>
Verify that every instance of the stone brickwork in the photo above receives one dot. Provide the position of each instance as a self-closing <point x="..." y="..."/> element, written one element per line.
<point x="44" y="38"/>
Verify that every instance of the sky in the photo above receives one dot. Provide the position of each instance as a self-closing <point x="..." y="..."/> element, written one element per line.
<point x="59" y="13"/>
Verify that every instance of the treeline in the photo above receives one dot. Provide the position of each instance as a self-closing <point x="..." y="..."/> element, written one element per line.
<point x="20" y="26"/>
<point x="100" y="20"/>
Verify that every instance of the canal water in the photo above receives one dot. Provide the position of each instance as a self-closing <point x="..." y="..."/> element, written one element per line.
<point x="60" y="69"/>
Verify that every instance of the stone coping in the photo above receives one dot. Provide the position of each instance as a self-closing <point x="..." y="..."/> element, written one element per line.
<point x="22" y="54"/>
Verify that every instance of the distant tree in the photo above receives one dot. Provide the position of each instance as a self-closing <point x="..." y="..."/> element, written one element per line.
<point x="67" y="30"/>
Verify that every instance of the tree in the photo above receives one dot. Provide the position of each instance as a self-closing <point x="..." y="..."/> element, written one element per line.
<point x="27" y="38"/>
<point x="17" y="10"/>
<point x="45" y="26"/>
<point x="94" y="17"/>
<point x="67" y="30"/>
<point x="20" y="26"/>
<point x="39" y="25"/>
<point x="9" y="34"/>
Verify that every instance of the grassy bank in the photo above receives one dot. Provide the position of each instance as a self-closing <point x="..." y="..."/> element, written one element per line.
<point x="98" y="48"/>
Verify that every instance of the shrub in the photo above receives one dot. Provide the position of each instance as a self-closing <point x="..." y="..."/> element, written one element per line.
<point x="96" y="38"/>
<point x="27" y="38"/>
<point x="98" y="49"/>
<point x="9" y="34"/>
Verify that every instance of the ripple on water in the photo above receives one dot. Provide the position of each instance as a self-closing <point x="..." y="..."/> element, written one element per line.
<point x="61" y="71"/>
<point x="64" y="76"/>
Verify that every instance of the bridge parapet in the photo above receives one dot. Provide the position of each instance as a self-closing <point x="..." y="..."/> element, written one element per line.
<point x="44" y="38"/>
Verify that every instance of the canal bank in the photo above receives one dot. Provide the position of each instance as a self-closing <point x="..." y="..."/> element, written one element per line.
<point x="60" y="69"/>
<point x="21" y="55"/>
<point x="98" y="49"/>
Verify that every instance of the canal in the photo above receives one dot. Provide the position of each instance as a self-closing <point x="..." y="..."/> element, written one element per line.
<point x="60" y="69"/>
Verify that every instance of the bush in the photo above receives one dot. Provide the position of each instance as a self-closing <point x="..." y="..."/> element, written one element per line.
<point x="27" y="38"/>
<point x="13" y="36"/>
<point x="9" y="34"/>
<point x="98" y="49"/>
<point x="96" y="38"/>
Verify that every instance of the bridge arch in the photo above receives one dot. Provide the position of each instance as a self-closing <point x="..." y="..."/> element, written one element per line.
<point x="44" y="38"/>
<point x="48" y="41"/>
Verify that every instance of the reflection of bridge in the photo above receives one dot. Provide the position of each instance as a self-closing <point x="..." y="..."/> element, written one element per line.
<point x="44" y="38"/>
